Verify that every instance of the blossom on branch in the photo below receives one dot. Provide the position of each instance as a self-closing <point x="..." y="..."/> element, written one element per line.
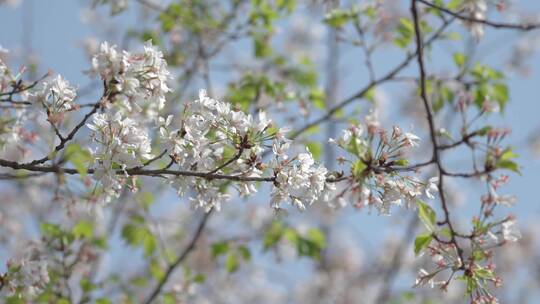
<point x="138" y="82"/>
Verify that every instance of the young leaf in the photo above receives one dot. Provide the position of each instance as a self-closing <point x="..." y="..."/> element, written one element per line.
<point x="421" y="242"/>
<point x="83" y="229"/>
<point x="219" y="248"/>
<point x="427" y="215"/>
<point x="231" y="263"/>
<point x="79" y="157"/>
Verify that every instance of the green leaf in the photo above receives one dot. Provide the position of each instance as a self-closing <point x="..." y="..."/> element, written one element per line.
<point x="147" y="199"/>
<point x="130" y="234"/>
<point x="288" y="5"/>
<point x="155" y="270"/>
<point x="422" y="242"/>
<point x="338" y="17"/>
<point x="199" y="278"/>
<point x="401" y="162"/>
<point x="500" y="94"/>
<point x="51" y="230"/>
<point x="291" y="235"/>
<point x="446" y="232"/>
<point x="478" y="255"/>
<point x="313" y="130"/>
<point x="219" y="248"/>
<point x="307" y="247"/>
<point x="139" y="282"/>
<point x="83" y="229"/>
<point x="370" y="11"/>
<point x="273" y="235"/>
<point x="245" y="253"/>
<point x="231" y="263"/>
<point x="168" y="298"/>
<point x="437" y="104"/>
<point x="79" y="157"/>
<point x="100" y="242"/>
<point x="15" y="299"/>
<point x="169" y="16"/>
<point x="315" y="148"/>
<point x="454" y="36"/>
<point x="357" y="147"/>
<point x="454" y="4"/>
<point x="86" y="285"/>
<point x="358" y="168"/>
<point x="318" y="98"/>
<point x="261" y="46"/>
<point x="370" y="95"/>
<point x="136" y="235"/>
<point x="484" y="274"/>
<point x="460" y="59"/>
<point x="405" y="32"/>
<point x="407" y="296"/>
<point x="508" y="165"/>
<point x="484" y="131"/>
<point x="317" y="237"/>
<point x="149" y="244"/>
<point x="508" y="154"/>
<point x="427" y="215"/>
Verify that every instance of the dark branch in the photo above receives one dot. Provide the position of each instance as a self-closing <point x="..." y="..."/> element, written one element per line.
<point x="432" y="129"/>
<point x="189" y="248"/>
<point x="389" y="76"/>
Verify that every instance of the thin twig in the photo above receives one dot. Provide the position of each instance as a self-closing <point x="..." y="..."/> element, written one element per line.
<point x="395" y="263"/>
<point x="70" y="136"/>
<point x="389" y="76"/>
<point x="500" y="25"/>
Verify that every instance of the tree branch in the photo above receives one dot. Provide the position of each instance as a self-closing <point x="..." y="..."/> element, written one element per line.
<point x="500" y="25"/>
<point x="71" y="134"/>
<point x="189" y="248"/>
<point x="389" y="76"/>
<point x="432" y="129"/>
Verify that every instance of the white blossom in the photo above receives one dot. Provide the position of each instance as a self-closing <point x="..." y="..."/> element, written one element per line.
<point x="432" y="186"/>
<point x="56" y="96"/>
<point x="120" y="140"/>
<point x="120" y="143"/>
<point x="510" y="231"/>
<point x="410" y="140"/>
<point x="138" y="81"/>
<point x="32" y="273"/>
<point x="506" y="200"/>
<point x="301" y="182"/>
<point x="476" y="9"/>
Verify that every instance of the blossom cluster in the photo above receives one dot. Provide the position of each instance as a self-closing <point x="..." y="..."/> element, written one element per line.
<point x="136" y="85"/>
<point x="300" y="181"/>
<point x="486" y="235"/>
<point x="137" y="82"/>
<point x="212" y="134"/>
<point x="376" y="181"/>
<point x="122" y="143"/>
<point x="11" y="119"/>
<point x="56" y="96"/>
<point x="29" y="273"/>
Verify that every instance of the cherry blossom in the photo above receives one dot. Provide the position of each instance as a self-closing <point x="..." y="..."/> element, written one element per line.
<point x="475" y="9"/>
